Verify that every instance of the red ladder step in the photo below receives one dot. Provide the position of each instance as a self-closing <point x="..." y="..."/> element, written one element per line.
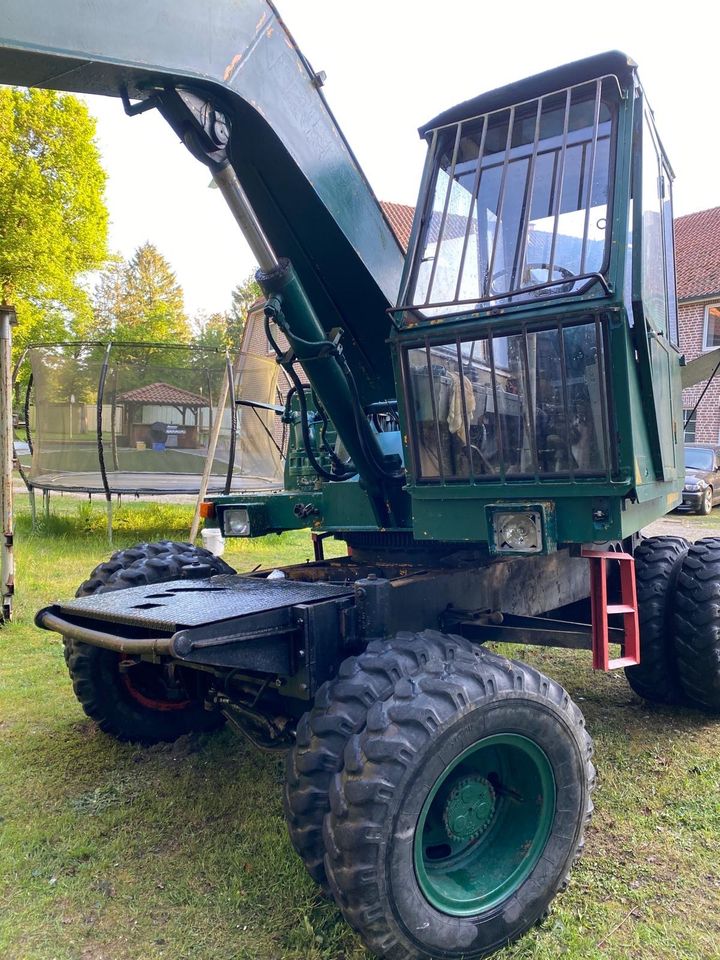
<point x="601" y="609"/>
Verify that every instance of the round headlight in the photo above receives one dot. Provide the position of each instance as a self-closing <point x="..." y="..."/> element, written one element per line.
<point x="521" y="532"/>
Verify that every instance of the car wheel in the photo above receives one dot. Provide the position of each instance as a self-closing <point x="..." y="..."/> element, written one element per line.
<point x="707" y="503"/>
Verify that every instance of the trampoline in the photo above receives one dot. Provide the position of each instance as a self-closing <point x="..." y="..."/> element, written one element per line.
<point x="141" y="420"/>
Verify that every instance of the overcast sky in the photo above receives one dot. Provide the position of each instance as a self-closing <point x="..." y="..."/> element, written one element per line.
<point x="391" y="65"/>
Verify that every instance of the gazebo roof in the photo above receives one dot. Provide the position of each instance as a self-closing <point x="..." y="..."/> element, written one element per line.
<point x="162" y="394"/>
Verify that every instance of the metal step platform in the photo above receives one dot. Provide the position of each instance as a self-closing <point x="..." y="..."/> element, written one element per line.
<point x="181" y="604"/>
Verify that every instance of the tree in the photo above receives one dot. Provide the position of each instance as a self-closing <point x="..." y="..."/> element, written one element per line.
<point x="244" y="296"/>
<point x="141" y="300"/>
<point x="226" y="329"/>
<point x="53" y="219"/>
<point x="212" y="331"/>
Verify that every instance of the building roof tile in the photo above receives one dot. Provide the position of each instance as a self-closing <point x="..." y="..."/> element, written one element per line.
<point x="697" y="254"/>
<point x="400" y="216"/>
<point x="162" y="394"/>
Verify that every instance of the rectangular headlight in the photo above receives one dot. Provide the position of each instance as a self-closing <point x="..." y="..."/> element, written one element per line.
<point x="521" y="528"/>
<point x="518" y="532"/>
<point x="236" y="523"/>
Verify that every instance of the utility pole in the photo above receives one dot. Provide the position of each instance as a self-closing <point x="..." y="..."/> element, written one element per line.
<point x="7" y="560"/>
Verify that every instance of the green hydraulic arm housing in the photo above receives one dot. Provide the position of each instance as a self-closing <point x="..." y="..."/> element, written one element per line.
<point x="515" y="381"/>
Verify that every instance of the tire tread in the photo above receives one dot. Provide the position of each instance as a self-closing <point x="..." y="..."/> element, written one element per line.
<point x="397" y="727"/>
<point x="93" y="682"/>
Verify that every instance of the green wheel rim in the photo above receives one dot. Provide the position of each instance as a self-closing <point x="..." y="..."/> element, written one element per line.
<point x="484" y="824"/>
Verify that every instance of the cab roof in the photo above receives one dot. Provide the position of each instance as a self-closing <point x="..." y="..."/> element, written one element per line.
<point x="611" y="63"/>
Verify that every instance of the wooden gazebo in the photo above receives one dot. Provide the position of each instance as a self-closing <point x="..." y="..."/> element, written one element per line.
<point x="182" y="435"/>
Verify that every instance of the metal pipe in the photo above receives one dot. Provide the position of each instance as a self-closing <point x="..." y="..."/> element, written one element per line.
<point x="436" y="420"/>
<point x="466" y="422"/>
<point x="523" y="238"/>
<point x="233" y="423"/>
<point x="591" y="174"/>
<point x="443" y="219"/>
<point x="26" y="414"/>
<point x="155" y="646"/>
<point x="99" y="424"/>
<point x="113" y="431"/>
<point x="236" y="198"/>
<point x="560" y="184"/>
<point x="499" y="429"/>
<point x="473" y="205"/>
<point x="501" y="198"/>
<point x="7" y="559"/>
<point x="100" y="446"/>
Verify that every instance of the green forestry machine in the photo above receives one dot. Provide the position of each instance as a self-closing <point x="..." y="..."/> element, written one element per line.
<point x="487" y="423"/>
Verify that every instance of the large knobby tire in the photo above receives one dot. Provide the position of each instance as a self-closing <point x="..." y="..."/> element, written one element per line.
<point x="697" y="624"/>
<point x="657" y="566"/>
<point x="339" y="710"/>
<point x="460" y="810"/>
<point x="143" y="704"/>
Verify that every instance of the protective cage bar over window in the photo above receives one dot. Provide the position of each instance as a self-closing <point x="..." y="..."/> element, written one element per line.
<point x="521" y="200"/>
<point x="527" y="404"/>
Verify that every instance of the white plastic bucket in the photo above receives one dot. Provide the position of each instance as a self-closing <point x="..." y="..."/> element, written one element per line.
<point x="213" y="540"/>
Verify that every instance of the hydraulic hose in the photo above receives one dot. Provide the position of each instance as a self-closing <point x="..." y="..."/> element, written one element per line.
<point x="299" y="389"/>
<point x="359" y="414"/>
<point x="328" y="348"/>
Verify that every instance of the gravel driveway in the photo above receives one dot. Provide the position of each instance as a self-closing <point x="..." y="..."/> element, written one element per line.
<point x="688" y="525"/>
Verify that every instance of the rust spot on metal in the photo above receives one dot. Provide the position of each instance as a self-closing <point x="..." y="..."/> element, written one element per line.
<point x="261" y="21"/>
<point x="230" y="68"/>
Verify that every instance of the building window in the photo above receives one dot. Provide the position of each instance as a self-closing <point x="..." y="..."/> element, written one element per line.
<point x="711" y="337"/>
<point x="689" y="424"/>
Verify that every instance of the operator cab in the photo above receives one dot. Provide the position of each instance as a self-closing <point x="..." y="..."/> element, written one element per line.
<point x="542" y="238"/>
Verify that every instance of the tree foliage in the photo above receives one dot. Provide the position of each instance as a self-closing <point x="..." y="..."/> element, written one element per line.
<point x="140" y="300"/>
<point x="53" y="219"/>
<point x="226" y="329"/>
<point x="212" y="331"/>
<point x="244" y="296"/>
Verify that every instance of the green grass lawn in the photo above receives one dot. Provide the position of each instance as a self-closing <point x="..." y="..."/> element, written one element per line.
<point x="111" y="852"/>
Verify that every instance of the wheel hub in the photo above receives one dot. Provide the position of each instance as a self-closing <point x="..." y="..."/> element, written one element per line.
<point x="469" y="808"/>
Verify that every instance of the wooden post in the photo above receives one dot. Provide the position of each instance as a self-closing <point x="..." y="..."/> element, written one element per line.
<point x="212" y="447"/>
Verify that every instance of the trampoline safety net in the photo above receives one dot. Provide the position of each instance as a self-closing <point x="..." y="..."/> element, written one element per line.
<point x="137" y="419"/>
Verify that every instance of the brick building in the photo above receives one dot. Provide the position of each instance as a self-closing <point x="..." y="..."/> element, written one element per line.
<point x="697" y="255"/>
<point x="697" y="259"/>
